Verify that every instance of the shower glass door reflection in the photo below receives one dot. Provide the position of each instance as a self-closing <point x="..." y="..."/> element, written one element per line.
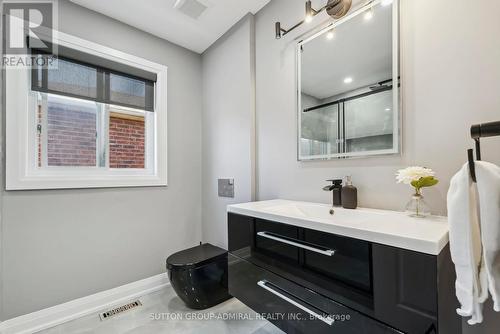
<point x="349" y="125"/>
<point x="368" y="123"/>
<point x="320" y="131"/>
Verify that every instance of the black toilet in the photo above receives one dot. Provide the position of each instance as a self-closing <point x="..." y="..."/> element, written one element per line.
<point x="199" y="275"/>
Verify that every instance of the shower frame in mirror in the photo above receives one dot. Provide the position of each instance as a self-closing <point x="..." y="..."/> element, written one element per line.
<point x="396" y="88"/>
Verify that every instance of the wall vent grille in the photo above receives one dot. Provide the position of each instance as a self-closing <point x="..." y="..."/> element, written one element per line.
<point x="118" y="310"/>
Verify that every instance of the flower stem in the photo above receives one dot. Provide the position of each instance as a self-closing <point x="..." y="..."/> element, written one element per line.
<point x="418" y="204"/>
<point x="418" y="196"/>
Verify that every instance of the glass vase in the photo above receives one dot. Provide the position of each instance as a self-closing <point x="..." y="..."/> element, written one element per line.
<point x="417" y="207"/>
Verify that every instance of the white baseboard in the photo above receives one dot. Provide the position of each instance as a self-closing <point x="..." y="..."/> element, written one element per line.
<point x="56" y="315"/>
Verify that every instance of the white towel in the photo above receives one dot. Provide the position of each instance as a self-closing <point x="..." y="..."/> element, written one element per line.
<point x="465" y="246"/>
<point x="488" y="186"/>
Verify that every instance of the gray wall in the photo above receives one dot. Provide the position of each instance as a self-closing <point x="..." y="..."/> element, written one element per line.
<point x="64" y="244"/>
<point x="228" y="125"/>
<point x="450" y="79"/>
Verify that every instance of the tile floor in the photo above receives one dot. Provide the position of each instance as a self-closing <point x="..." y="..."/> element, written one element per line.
<point x="164" y="312"/>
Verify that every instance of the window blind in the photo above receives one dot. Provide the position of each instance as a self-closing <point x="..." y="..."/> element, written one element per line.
<point x="85" y="76"/>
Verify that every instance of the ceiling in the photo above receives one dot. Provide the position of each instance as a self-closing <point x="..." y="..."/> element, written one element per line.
<point x="162" y="19"/>
<point x="361" y="49"/>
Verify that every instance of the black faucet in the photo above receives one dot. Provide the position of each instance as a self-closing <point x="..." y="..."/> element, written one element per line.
<point x="336" y="189"/>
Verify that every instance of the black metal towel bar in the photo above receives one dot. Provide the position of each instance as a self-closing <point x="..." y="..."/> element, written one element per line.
<point x="478" y="131"/>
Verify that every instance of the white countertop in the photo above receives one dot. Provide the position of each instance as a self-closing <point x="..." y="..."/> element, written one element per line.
<point x="427" y="235"/>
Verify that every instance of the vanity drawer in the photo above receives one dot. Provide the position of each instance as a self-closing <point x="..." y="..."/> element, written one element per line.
<point x="268" y="236"/>
<point x="292" y="307"/>
<point x="350" y="262"/>
<point x="333" y="257"/>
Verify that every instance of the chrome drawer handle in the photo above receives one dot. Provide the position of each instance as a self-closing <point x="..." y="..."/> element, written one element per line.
<point x="327" y="320"/>
<point x="327" y="252"/>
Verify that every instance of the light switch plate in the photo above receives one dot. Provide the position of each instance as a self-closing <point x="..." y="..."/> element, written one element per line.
<point x="226" y="188"/>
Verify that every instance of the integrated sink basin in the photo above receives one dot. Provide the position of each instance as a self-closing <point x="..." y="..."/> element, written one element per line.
<point x="318" y="212"/>
<point x="426" y="235"/>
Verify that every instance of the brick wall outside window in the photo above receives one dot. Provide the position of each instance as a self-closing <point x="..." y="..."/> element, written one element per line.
<point x="126" y="141"/>
<point x="71" y="135"/>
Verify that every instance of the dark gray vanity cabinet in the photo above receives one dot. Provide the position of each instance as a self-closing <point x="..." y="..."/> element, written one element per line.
<point x="414" y="291"/>
<point x="308" y="281"/>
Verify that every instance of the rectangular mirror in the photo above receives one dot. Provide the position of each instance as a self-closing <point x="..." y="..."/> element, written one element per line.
<point x="348" y="86"/>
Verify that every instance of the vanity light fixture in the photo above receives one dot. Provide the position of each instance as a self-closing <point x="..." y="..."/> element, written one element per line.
<point x="279" y="31"/>
<point x="338" y="8"/>
<point x="335" y="8"/>
<point x="310" y="12"/>
<point x="348" y="80"/>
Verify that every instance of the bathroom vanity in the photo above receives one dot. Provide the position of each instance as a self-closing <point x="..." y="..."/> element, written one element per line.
<point x="308" y="269"/>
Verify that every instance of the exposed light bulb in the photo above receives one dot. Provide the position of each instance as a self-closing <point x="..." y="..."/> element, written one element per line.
<point x="386" y="2"/>
<point x="330" y="34"/>
<point x="348" y="80"/>
<point x="309" y="12"/>
<point x="369" y="14"/>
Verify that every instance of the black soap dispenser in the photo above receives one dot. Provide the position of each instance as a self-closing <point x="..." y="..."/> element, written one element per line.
<point x="349" y="194"/>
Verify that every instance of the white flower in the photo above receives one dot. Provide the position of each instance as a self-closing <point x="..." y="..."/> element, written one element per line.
<point x="410" y="174"/>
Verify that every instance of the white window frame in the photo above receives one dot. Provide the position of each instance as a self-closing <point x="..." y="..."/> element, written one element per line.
<point x="22" y="172"/>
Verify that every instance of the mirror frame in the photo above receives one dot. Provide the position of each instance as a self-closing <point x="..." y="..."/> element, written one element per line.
<point x="396" y="89"/>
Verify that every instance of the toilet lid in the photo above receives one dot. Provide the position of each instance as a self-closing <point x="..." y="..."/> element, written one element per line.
<point x="195" y="257"/>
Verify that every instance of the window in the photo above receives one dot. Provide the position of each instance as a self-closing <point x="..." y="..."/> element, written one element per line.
<point x="67" y="132"/>
<point x="90" y="116"/>
<point x="95" y="117"/>
<point x="74" y="132"/>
